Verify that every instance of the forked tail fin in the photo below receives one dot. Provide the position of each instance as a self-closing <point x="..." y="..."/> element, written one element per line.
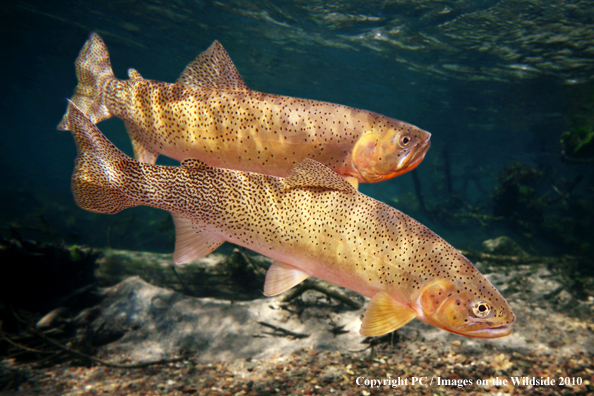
<point x="98" y="175"/>
<point x="93" y="70"/>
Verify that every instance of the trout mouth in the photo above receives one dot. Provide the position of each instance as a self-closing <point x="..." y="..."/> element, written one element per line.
<point x="416" y="156"/>
<point x="412" y="160"/>
<point x="484" y="332"/>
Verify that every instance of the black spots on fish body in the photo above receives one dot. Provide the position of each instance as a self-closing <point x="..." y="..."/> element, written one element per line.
<point x="214" y="124"/>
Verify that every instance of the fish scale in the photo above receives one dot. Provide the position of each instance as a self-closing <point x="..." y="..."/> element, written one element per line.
<point x="312" y="223"/>
<point x="210" y="114"/>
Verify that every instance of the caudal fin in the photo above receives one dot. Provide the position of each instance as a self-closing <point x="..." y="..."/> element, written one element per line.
<point x="98" y="175"/>
<point x="93" y="70"/>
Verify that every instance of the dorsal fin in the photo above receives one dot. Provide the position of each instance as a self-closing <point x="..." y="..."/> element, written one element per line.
<point x="311" y="173"/>
<point x="134" y="75"/>
<point x="213" y="69"/>
<point x="195" y="163"/>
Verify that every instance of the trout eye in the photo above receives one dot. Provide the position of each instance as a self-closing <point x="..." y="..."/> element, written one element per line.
<point x="481" y="309"/>
<point x="405" y="140"/>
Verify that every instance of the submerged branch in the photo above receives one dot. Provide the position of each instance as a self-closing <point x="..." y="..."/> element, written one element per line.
<point x="284" y="332"/>
<point x="101" y="361"/>
<point x="316" y="285"/>
<point x="79" y="354"/>
<point x="418" y="191"/>
<point x="183" y="284"/>
<point x="24" y="347"/>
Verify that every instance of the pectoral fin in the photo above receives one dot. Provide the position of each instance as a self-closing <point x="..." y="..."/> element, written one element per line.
<point x="385" y="315"/>
<point x="353" y="181"/>
<point x="192" y="242"/>
<point x="281" y="277"/>
<point x="311" y="173"/>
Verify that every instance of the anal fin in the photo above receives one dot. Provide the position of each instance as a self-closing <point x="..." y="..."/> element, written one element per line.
<point x="141" y="152"/>
<point x="191" y="242"/>
<point x="281" y="277"/>
<point x="385" y="315"/>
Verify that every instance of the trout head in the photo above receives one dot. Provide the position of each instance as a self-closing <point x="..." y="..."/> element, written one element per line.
<point x="388" y="149"/>
<point x="471" y="307"/>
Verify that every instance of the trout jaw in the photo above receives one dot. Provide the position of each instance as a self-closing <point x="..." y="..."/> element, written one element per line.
<point x="411" y="161"/>
<point x="487" y="332"/>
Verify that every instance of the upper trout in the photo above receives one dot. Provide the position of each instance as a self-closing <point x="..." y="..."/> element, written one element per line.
<point x="312" y="223"/>
<point x="210" y="114"/>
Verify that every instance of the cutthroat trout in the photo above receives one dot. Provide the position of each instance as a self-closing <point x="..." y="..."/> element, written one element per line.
<point x="312" y="223"/>
<point x="210" y="114"/>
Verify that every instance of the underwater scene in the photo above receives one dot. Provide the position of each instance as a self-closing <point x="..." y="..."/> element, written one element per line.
<point x="297" y="198"/>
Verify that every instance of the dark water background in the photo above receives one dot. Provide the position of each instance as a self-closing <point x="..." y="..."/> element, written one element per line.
<point x="495" y="82"/>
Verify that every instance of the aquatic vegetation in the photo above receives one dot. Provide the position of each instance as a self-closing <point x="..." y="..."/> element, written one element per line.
<point x="535" y="205"/>
<point x="53" y="218"/>
<point x="578" y="144"/>
<point x="503" y="245"/>
<point x="39" y="268"/>
<point x="547" y="213"/>
<point x="516" y="197"/>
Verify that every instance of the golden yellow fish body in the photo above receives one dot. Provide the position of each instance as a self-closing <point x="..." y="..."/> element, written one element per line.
<point x="210" y="114"/>
<point x="312" y="223"/>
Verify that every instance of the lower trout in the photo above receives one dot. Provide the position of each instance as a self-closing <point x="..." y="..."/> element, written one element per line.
<point x="312" y="223"/>
<point x="210" y="114"/>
